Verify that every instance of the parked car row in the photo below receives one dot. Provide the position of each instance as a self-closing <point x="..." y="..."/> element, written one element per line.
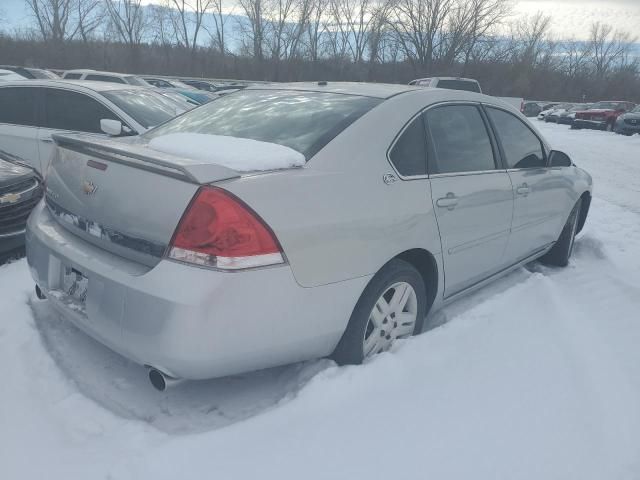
<point x="615" y="116"/>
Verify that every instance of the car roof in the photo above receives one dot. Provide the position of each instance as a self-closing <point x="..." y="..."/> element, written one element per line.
<point x="378" y="90"/>
<point x="96" y="86"/>
<point x="98" y="72"/>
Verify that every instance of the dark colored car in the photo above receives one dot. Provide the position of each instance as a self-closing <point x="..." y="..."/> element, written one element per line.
<point x="628" y="123"/>
<point x="568" y="116"/>
<point x="530" y="109"/>
<point x="601" y="115"/>
<point x="20" y="191"/>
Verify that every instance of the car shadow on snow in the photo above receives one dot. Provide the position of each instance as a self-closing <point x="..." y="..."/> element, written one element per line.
<point x="122" y="386"/>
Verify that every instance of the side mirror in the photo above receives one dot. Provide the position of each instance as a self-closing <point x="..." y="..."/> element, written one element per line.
<point x="559" y="159"/>
<point x="111" y="127"/>
<point x="114" y="128"/>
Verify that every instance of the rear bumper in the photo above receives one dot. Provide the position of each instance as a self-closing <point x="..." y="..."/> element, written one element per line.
<point x="594" y="124"/>
<point x="186" y="321"/>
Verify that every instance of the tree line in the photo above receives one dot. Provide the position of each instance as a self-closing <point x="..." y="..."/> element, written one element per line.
<point x="363" y="40"/>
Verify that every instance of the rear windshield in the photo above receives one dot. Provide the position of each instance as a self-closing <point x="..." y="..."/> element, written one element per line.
<point x="459" y="85"/>
<point x="133" y="80"/>
<point x="304" y="121"/>
<point x="145" y="107"/>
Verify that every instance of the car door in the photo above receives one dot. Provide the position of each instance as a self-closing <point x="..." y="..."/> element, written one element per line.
<point x="68" y="111"/>
<point x="471" y="194"/>
<point x="540" y="192"/>
<point x="19" y="123"/>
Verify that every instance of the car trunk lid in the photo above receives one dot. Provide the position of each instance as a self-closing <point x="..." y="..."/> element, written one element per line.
<point x="122" y="196"/>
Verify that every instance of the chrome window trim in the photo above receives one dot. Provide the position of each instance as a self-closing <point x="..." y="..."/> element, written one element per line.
<point x="474" y="172"/>
<point x="422" y="111"/>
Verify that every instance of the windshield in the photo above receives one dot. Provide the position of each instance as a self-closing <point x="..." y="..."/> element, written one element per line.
<point x="133" y="80"/>
<point x="467" y="85"/>
<point x="43" y="74"/>
<point x="605" y="106"/>
<point x="179" y="84"/>
<point x="636" y="110"/>
<point x="304" y="121"/>
<point x="145" y="107"/>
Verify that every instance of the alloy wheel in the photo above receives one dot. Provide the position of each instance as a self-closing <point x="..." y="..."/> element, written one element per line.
<point x="393" y="316"/>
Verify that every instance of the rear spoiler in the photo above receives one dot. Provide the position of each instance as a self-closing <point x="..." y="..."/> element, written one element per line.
<point x="138" y="156"/>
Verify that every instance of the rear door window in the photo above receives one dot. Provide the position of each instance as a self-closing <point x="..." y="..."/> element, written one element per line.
<point x="460" y="140"/>
<point x="66" y="110"/>
<point x="409" y="153"/>
<point x="72" y="76"/>
<point x="18" y="106"/>
<point x="522" y="148"/>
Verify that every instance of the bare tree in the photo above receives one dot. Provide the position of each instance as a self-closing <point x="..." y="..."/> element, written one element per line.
<point x="52" y="17"/>
<point x="420" y="26"/>
<point x="89" y="14"/>
<point x="220" y="17"/>
<point x="352" y="21"/>
<point x="316" y="29"/>
<point x="576" y="57"/>
<point x="609" y="48"/>
<point x="255" y="30"/>
<point x="127" y="17"/>
<point x="187" y="17"/>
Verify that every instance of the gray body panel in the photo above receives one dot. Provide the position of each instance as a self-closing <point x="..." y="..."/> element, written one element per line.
<point x="338" y="223"/>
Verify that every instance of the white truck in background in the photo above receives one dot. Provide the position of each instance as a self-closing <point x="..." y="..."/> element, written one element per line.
<point x="459" y="83"/>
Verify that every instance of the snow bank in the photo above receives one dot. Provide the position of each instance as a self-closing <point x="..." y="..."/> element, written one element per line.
<point x="535" y="377"/>
<point x="240" y="154"/>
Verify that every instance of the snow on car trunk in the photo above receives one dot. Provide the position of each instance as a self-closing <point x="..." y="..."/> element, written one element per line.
<point x="534" y="377"/>
<point x="240" y="154"/>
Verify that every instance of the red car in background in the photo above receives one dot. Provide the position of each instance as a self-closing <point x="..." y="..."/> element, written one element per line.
<point x="601" y="115"/>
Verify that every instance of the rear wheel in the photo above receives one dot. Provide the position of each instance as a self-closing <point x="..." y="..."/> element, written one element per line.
<point x="561" y="252"/>
<point x="392" y="306"/>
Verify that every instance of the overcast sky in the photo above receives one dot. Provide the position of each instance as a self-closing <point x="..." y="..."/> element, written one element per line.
<point x="571" y="18"/>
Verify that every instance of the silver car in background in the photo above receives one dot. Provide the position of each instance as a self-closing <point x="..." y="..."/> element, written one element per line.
<point x="406" y="199"/>
<point x="32" y="111"/>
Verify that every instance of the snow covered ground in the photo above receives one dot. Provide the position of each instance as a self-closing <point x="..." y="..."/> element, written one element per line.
<point x="535" y="377"/>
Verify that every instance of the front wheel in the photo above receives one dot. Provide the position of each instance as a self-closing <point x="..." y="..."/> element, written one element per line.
<point x="392" y="306"/>
<point x="561" y="252"/>
<point x="609" y="127"/>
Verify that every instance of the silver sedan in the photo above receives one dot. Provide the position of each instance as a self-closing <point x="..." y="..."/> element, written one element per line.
<point x="288" y="222"/>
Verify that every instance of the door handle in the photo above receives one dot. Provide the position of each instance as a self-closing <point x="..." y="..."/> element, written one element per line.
<point x="47" y="140"/>
<point x="450" y="201"/>
<point x="523" y="189"/>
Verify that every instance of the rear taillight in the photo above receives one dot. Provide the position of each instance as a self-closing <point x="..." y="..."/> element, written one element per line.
<point x="218" y="230"/>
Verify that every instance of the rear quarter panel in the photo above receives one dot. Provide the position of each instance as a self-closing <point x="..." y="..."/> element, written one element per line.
<point x="335" y="218"/>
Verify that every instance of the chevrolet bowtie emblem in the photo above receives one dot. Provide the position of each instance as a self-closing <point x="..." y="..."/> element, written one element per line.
<point x="89" y="188"/>
<point x="10" y="198"/>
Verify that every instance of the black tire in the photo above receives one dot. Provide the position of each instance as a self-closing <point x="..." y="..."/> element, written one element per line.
<point x="350" y="348"/>
<point x="609" y="127"/>
<point x="575" y="127"/>
<point x="561" y="252"/>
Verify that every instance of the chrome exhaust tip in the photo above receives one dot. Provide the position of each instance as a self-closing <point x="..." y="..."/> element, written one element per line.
<point x="161" y="381"/>
<point x="39" y="293"/>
